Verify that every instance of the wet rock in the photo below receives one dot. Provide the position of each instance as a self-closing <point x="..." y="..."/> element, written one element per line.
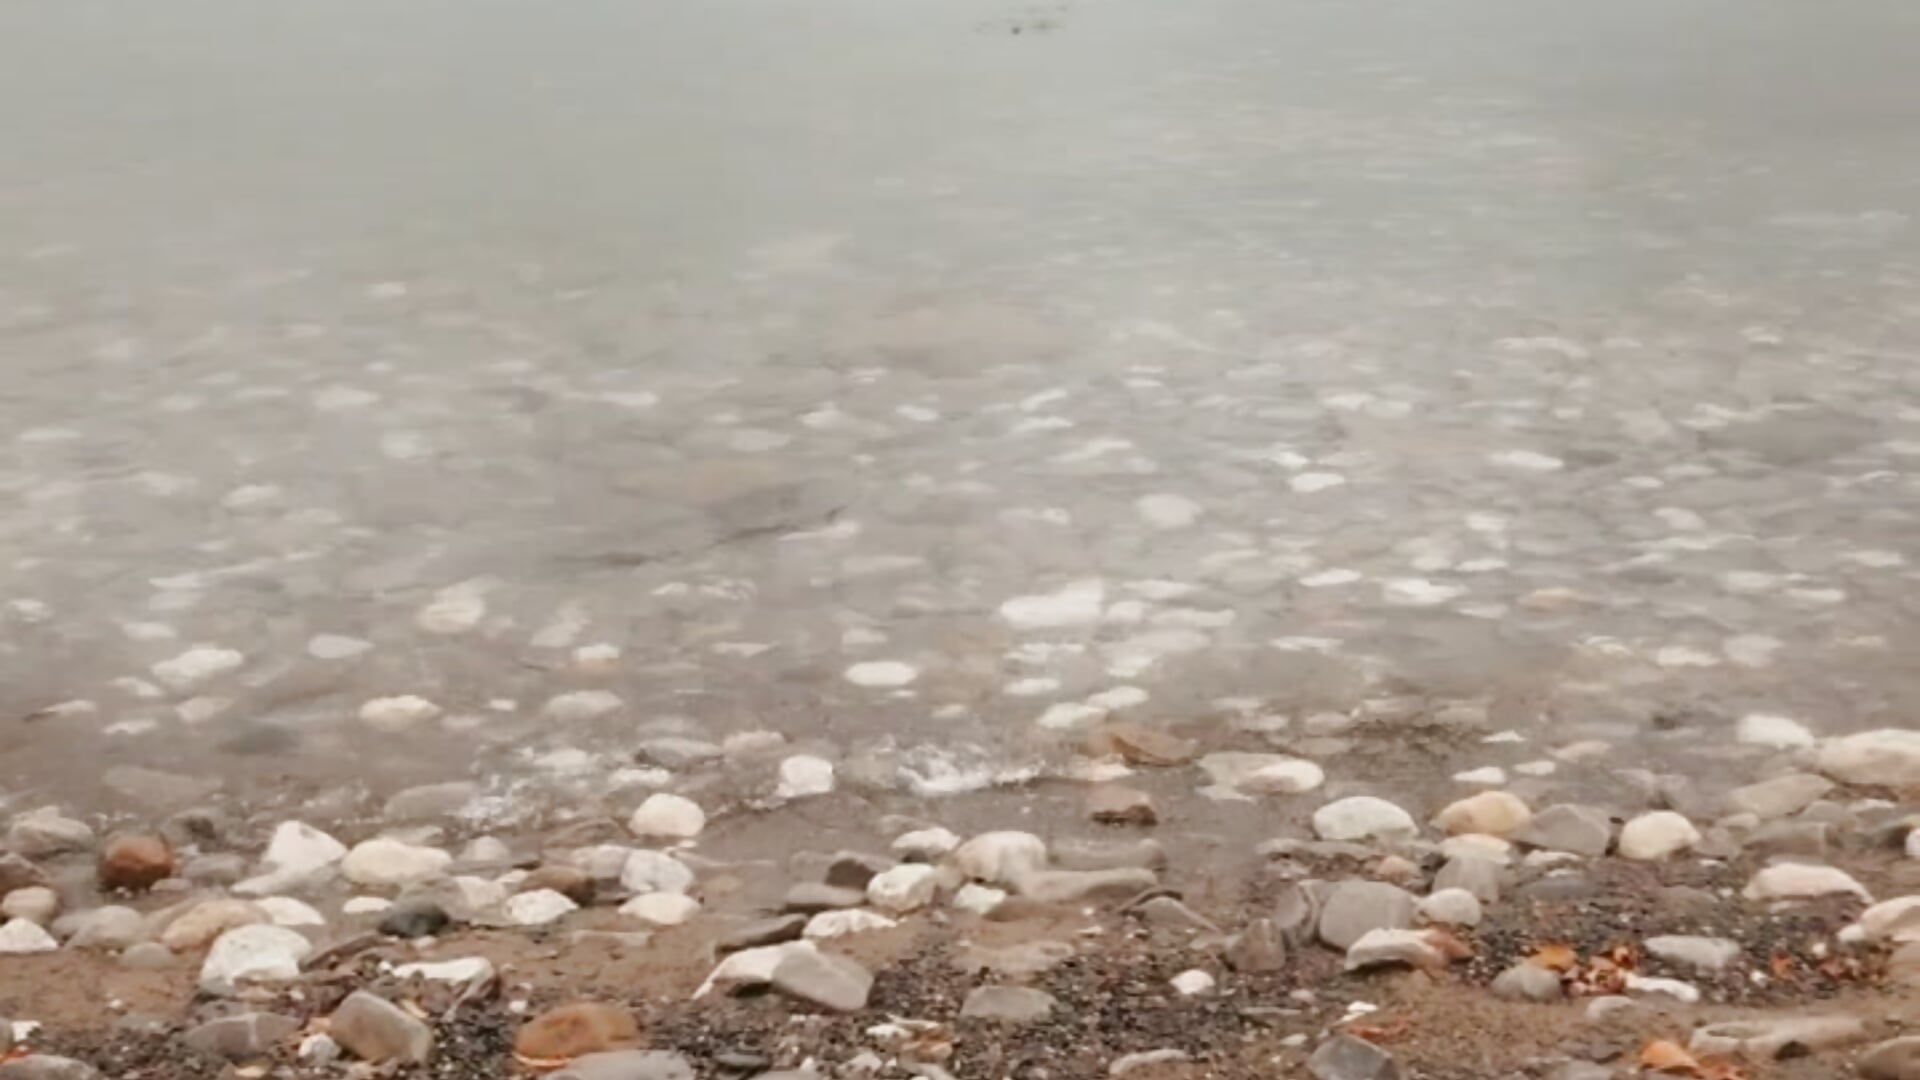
<point x="661" y="908"/>
<point x="1001" y="858"/>
<point x="1007" y="1005"/>
<point x="654" y="871"/>
<point x="576" y="1029"/>
<point x="925" y="845"/>
<point x="427" y="802"/>
<point x="374" y="1029"/>
<point x="1170" y="912"/>
<point x="1451" y="907"/>
<point x="1363" y="817"/>
<point x="1528" y="982"/>
<point x="414" y="918"/>
<point x="904" y="888"/>
<point x="804" y="775"/>
<point x="762" y="932"/>
<point x="134" y="862"/>
<point x="669" y="816"/>
<point x="1582" y="830"/>
<point x="832" y="924"/>
<point x="249" y="954"/>
<point x="627" y="1065"/>
<point x="241" y="1037"/>
<point x="40" y="833"/>
<point x="1895" y="1059"/>
<point x="1777" y="1037"/>
<point x="1354" y="908"/>
<point x="390" y="863"/>
<point x="832" y="982"/>
<point x="1258" y="949"/>
<point x="1889" y="757"/>
<point x="853" y="869"/>
<point x="1147" y="1059"/>
<point x="1788" y="881"/>
<point x="1481" y="877"/>
<point x="810" y="897"/>
<point x="21" y="936"/>
<point x="201" y="924"/>
<point x="1344" y="1057"/>
<point x="1077" y="854"/>
<point x="1492" y="813"/>
<point x="1700" y="953"/>
<point x="47" y="1067"/>
<point x="1390" y="948"/>
<point x="1656" y="835"/>
<point x="1071" y="886"/>
<point x="35" y="903"/>
<point x="1112" y="804"/>
<point x="1779" y="796"/>
<point x="111" y="927"/>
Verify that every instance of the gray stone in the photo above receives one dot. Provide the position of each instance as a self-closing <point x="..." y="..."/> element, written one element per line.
<point x="1777" y="1037"/>
<point x="111" y="927"/>
<point x="1481" y="877"/>
<point x="1528" y="982"/>
<point x="1344" y="1057"/>
<point x="18" y="873"/>
<point x="853" y="869"/>
<point x="627" y="1065"/>
<point x="223" y="868"/>
<point x="1791" y="838"/>
<point x="1007" y="1004"/>
<point x="1582" y="830"/>
<point x="1895" y="1059"/>
<point x="414" y="918"/>
<point x="376" y="1030"/>
<point x="1297" y="912"/>
<point x="1260" y="948"/>
<point x="47" y="1067"/>
<point x="1779" y="796"/>
<point x="241" y="1037"/>
<point x="812" y="897"/>
<point x="1167" y="911"/>
<point x="1353" y="908"/>
<point x="1700" y="953"/>
<point x="832" y="982"/>
<point x="1019" y="961"/>
<point x="39" y="833"/>
<point x="763" y="932"/>
<point x="429" y="801"/>
<point x="146" y="956"/>
<point x="1395" y="948"/>
<point x="1069" y="886"/>
<point x="1451" y="907"/>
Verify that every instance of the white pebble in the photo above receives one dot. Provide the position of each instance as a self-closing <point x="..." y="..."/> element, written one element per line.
<point x="1778" y="732"/>
<point x="882" y="674"/>
<point x="539" y="907"/>
<point x="1311" y="482"/>
<point x="668" y="815"/>
<point x="661" y="908"/>
<point x="1192" y="982"/>
<point x="582" y="706"/>
<point x="1525" y="461"/>
<point x="1078" y="603"/>
<point x="394" y="714"/>
<point x="196" y="666"/>
<point x="336" y="647"/>
<point x="804" y="774"/>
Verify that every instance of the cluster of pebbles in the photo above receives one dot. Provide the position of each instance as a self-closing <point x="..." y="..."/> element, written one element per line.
<point x="1774" y="931"/>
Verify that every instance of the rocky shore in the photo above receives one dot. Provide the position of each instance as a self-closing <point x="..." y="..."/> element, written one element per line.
<point x="1107" y="925"/>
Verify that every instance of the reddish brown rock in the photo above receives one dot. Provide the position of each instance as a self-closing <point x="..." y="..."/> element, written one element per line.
<point x="576" y="1028"/>
<point x="134" y="861"/>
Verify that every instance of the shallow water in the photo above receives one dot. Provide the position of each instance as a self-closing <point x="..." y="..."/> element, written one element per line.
<point x="746" y="359"/>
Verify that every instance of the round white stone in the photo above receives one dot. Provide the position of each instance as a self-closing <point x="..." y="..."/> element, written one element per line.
<point x="385" y="862"/>
<point x="258" y="953"/>
<point x="882" y="674"/>
<point x="1656" y="835"/>
<point x="655" y="871"/>
<point x="1363" y="817"/>
<point x="904" y="888"/>
<point x="581" y="706"/>
<point x="395" y="714"/>
<point x="539" y="907"/>
<point x="802" y="775"/>
<point x="661" y="908"/>
<point x="832" y="924"/>
<point x="668" y="815"/>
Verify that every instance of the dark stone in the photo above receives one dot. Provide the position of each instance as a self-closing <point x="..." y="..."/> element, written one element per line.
<point x="763" y="932"/>
<point x="414" y="919"/>
<point x="811" y="898"/>
<point x="853" y="869"/>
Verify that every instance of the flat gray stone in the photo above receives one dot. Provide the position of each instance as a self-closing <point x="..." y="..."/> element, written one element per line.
<point x="375" y="1029"/>
<point x="1069" y="886"/>
<point x="1007" y="1004"/>
<point x="1353" y="908"/>
<point x="763" y="932"/>
<point x="1582" y="830"/>
<point x="1699" y="953"/>
<point x="1529" y="982"/>
<point x="627" y="1065"/>
<point x="1344" y="1057"/>
<point x="1481" y="877"/>
<point x="813" y="897"/>
<point x="47" y="1067"/>
<point x="241" y="1037"/>
<point x="1777" y="1037"/>
<point x="832" y="982"/>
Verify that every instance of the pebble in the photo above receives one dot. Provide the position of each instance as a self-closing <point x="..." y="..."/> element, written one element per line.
<point x="979" y="899"/>
<point x="112" y="927"/>
<point x="1001" y="858"/>
<point x="661" y="908"/>
<point x="41" y="833"/>
<point x="832" y="924"/>
<point x="146" y="956"/>
<point x="1528" y="982"/>
<point x="46" y="1067"/>
<point x="571" y="882"/>
<point x="1656" y="835"/>
<point x="1889" y="757"/>
<point x="1069" y="886"/>
<point x="1775" y="732"/>
<point x="575" y="1029"/>
<point x="809" y="897"/>
<point x="1777" y="1037"/>
<point x="1779" y="796"/>
<point x="1684" y="992"/>
<point x="654" y="871"/>
<point x="925" y="845"/>
<point x="1481" y="877"/>
<point x="1193" y="982"/>
<point x="242" y="1036"/>
<point x="1351" y="909"/>
<point x="1236" y="773"/>
<point x="904" y="888"/>
<point x="824" y="979"/>
<point x="207" y="920"/>
<point x="386" y="862"/>
<point x="853" y="869"/>
<point x="1895" y="1059"/>
<point x="670" y="816"/>
<point x="21" y="936"/>
<point x="1409" y="948"/>
<point x="803" y="775"/>
<point x="1700" y="953"/>
<point x="1345" y="1057"/>
<point x="35" y="903"/>
<point x="134" y="862"/>
<point x="197" y="665"/>
<point x="1451" y="907"/>
<point x="628" y="1065"/>
<point x="1007" y="1004"/>
<point x="376" y="1030"/>
<point x="299" y="848"/>
<point x="1363" y="817"/>
<point x="1582" y="830"/>
<point x="1784" y="881"/>
<point x="539" y="907"/>
<point x="581" y="706"/>
<point x="18" y="873"/>
<point x="1492" y="813"/>
<point x="1113" y="804"/>
<point x="1145" y="1059"/>
<point x="256" y="953"/>
<point x="365" y="905"/>
<point x="393" y="715"/>
<point x="466" y="969"/>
